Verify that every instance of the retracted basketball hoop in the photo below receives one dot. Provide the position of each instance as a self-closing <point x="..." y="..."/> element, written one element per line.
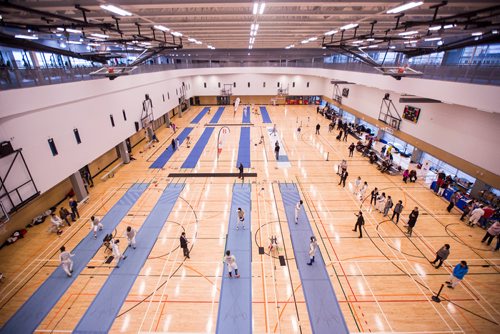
<point x="112" y="72"/>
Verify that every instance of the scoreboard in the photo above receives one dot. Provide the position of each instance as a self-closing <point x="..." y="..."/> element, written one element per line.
<point x="411" y="113"/>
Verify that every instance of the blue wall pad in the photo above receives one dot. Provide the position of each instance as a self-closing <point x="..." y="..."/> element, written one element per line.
<point x="235" y="303"/>
<point x="244" y="148"/>
<point x="38" y="306"/>
<point x="162" y="160"/>
<point x="265" y="115"/>
<point x="101" y="314"/>
<point x="246" y="115"/>
<point x="198" y="117"/>
<point x="197" y="150"/>
<point x="217" y="115"/>
<point x="324" y="310"/>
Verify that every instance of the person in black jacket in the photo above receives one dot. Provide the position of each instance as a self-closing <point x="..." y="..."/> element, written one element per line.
<point x="359" y="223"/>
<point x="374" y="195"/>
<point x="351" y="150"/>
<point x="184" y="244"/>
<point x="241" y="169"/>
<point x="343" y="177"/>
<point x="412" y="220"/>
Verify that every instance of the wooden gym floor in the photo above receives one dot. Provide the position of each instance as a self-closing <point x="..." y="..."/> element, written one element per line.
<point x="383" y="282"/>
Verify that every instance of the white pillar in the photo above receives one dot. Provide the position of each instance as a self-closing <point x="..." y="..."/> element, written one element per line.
<point x="122" y="148"/>
<point x="78" y="186"/>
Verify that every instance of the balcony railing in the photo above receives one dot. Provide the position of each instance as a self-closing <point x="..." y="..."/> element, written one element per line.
<point x="21" y="78"/>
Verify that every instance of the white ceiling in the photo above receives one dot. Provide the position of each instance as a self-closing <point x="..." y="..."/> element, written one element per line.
<point x="226" y="24"/>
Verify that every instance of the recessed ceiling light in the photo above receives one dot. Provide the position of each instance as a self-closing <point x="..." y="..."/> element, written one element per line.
<point x="26" y="36"/>
<point x="349" y="26"/>
<point x="162" y="28"/>
<point x="404" y="7"/>
<point x="331" y="32"/>
<point x="261" y="9"/>
<point x="477" y="33"/>
<point x="392" y="47"/>
<point x="432" y="39"/>
<point x="100" y="35"/>
<point x="435" y="28"/>
<point x="70" y="30"/>
<point x="116" y="10"/>
<point x="408" y="33"/>
<point x="370" y="39"/>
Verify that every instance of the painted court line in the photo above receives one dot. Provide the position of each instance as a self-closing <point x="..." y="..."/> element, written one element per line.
<point x="101" y="314"/>
<point x="235" y="304"/>
<point x="323" y="307"/>
<point x="246" y="115"/>
<point x="41" y="302"/>
<point x="162" y="160"/>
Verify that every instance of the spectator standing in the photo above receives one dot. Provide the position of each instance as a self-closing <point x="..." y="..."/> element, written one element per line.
<point x="277" y="150"/>
<point x="351" y="149"/>
<point x="317" y="128"/>
<point x="343" y="177"/>
<point x="64" y="214"/>
<point x="475" y="215"/>
<point x="458" y="274"/>
<point x="388" y="205"/>
<point x="413" y="176"/>
<point x="397" y="211"/>
<point x="374" y="195"/>
<point x="441" y="255"/>
<point x="453" y="200"/>
<point x="412" y="220"/>
<point x="359" y="223"/>
<point x="492" y="232"/>
<point x="184" y="244"/>
<point x="74" y="208"/>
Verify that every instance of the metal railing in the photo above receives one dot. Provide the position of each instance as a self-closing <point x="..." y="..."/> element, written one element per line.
<point x="21" y="78"/>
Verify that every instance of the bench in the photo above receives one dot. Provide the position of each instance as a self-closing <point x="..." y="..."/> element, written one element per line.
<point x="111" y="173"/>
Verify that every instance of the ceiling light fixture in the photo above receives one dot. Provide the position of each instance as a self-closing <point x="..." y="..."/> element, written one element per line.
<point x="252" y="27"/>
<point x="494" y="32"/>
<point x="192" y="40"/>
<point x="370" y="39"/>
<point x="349" y="26"/>
<point x="198" y="42"/>
<point x="262" y="7"/>
<point x="99" y="35"/>
<point x="116" y="10"/>
<point x="305" y="41"/>
<point x="26" y="36"/>
<point x="392" y="47"/>
<point x="312" y="39"/>
<point x="432" y="39"/>
<point x="477" y="33"/>
<point x="435" y="28"/>
<point x="440" y="43"/>
<point x="331" y="32"/>
<point x="70" y="30"/>
<point x="373" y="46"/>
<point x="404" y="7"/>
<point x="255" y="8"/>
<point x="250" y="47"/>
<point x="256" y="27"/>
<point x="408" y="33"/>
<point x="74" y="42"/>
<point x="94" y="44"/>
<point x="162" y="28"/>
<point x="176" y="34"/>
<point x="449" y="26"/>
